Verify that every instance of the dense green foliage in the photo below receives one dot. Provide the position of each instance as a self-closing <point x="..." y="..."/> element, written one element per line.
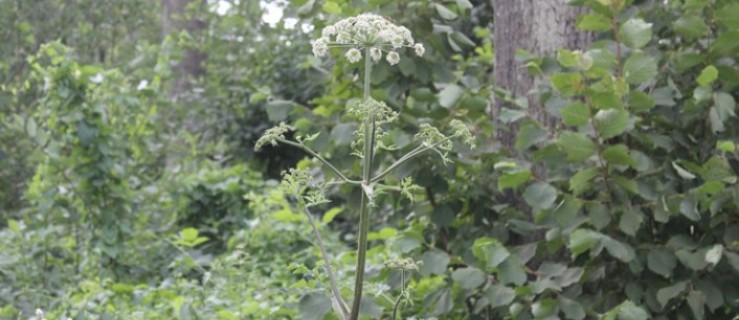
<point x="119" y="202"/>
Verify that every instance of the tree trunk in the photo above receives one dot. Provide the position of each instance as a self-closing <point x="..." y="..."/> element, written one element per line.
<point x="191" y="64"/>
<point x="539" y="27"/>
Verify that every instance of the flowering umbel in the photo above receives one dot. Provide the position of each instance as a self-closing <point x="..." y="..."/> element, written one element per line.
<point x="367" y="31"/>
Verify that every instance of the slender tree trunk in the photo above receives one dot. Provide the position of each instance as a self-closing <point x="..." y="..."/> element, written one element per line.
<point x="191" y="64"/>
<point x="539" y="27"/>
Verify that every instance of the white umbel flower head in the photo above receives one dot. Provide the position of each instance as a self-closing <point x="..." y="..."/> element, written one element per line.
<point x="419" y="49"/>
<point x="353" y="55"/>
<point x="375" y="54"/>
<point x="366" y="31"/>
<point x="393" y="58"/>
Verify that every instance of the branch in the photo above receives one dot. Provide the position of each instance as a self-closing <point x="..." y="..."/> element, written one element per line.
<point x="317" y="156"/>
<point x="415" y="152"/>
<point x="327" y="262"/>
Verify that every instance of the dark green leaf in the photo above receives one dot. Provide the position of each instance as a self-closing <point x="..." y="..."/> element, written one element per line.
<point x="662" y="262"/>
<point x="434" y="262"/>
<point x="540" y="195"/>
<point x="668" y="293"/>
<point x="514" y="179"/>
<point x="469" y="278"/>
<point x="314" y="306"/>
<point x="499" y="295"/>
<point x="690" y="26"/>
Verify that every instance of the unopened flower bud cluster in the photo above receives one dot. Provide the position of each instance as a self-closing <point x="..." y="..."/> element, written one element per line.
<point x="366" y="31"/>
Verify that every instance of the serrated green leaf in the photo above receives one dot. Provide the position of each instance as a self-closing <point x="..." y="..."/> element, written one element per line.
<point x="571" y="308"/>
<point x="662" y="262"/>
<point x="528" y="135"/>
<point x="619" y="250"/>
<point x="580" y="182"/>
<point x="314" y="306"/>
<point x="630" y="222"/>
<point x="577" y="146"/>
<point x="576" y="114"/>
<point x="445" y="13"/>
<point x="499" y="295"/>
<point x="668" y="293"/>
<point x="567" y="83"/>
<point x="630" y="311"/>
<point x="434" y="262"/>
<point x="540" y="195"/>
<point x="640" y="101"/>
<point x="728" y="15"/>
<point x="708" y="75"/>
<point x="469" y="278"/>
<point x="690" y="27"/>
<point x="635" y="33"/>
<point x="331" y="7"/>
<point x="618" y="155"/>
<point x="639" y="68"/>
<point x="514" y="179"/>
<point x="449" y="96"/>
<point x="593" y="22"/>
<point x="611" y="122"/>
<point x="582" y="240"/>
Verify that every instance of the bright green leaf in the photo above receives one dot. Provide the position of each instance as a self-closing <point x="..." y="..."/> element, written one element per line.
<point x="639" y="68"/>
<point x="469" y="278"/>
<point x="540" y="195"/>
<point x="708" y="75"/>
<point x="611" y="122"/>
<point x="577" y="146"/>
<point x="576" y="114"/>
<point x="635" y="33"/>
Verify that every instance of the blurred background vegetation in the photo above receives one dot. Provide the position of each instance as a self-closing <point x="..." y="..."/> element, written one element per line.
<point x="603" y="185"/>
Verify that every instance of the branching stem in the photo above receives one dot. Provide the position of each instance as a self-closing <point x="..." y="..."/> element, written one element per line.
<point x="327" y="263"/>
<point x="321" y="159"/>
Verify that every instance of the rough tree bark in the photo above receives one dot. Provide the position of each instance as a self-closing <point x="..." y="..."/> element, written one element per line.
<point x="539" y="27"/>
<point x="191" y="64"/>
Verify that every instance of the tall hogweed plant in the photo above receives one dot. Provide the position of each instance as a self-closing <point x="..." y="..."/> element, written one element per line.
<point x="370" y="39"/>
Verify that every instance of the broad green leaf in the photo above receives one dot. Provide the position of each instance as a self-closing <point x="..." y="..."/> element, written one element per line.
<point x="314" y="306"/>
<point x="14" y="226"/>
<point x="714" y="296"/>
<point x="189" y="234"/>
<point x="708" y="75"/>
<point x="619" y="250"/>
<point x="514" y="179"/>
<point x="716" y="168"/>
<point x="662" y="262"/>
<point x="544" y="308"/>
<point x="693" y="260"/>
<point x="443" y="216"/>
<point x="728" y="15"/>
<point x="697" y="303"/>
<point x="639" y="68"/>
<point x="567" y="83"/>
<point x="449" y="96"/>
<point x="618" y="155"/>
<point x="490" y="251"/>
<point x="593" y="22"/>
<point x="689" y="208"/>
<point x="599" y="216"/>
<point x="630" y="222"/>
<point x="725" y="146"/>
<point x="635" y="33"/>
<point x="511" y="272"/>
<point x="278" y="110"/>
<point x="434" y="262"/>
<point x="576" y="114"/>
<point x="630" y="311"/>
<point x="685" y="174"/>
<point x="331" y="7"/>
<point x="383" y="234"/>
<point x="499" y="295"/>
<point x="668" y="293"/>
<point x="713" y="255"/>
<point x="577" y="146"/>
<point x="611" y="122"/>
<point x="528" y="135"/>
<point x="343" y="133"/>
<point x="580" y="182"/>
<point x="582" y="240"/>
<point x="725" y="105"/>
<point x="690" y="26"/>
<point x="469" y="278"/>
<point x="567" y="58"/>
<point x="640" y="101"/>
<point x="733" y="259"/>
<point x="540" y="195"/>
<point x="445" y="13"/>
<point x="331" y="214"/>
<point x="571" y="308"/>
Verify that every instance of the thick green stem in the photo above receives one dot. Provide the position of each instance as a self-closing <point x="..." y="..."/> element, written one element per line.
<point x="369" y="141"/>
